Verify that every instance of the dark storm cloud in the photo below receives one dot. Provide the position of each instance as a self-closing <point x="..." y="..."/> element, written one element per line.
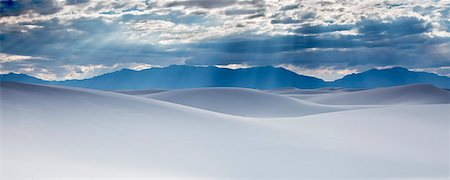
<point x="398" y="27"/>
<point x="243" y="11"/>
<point x="88" y="42"/>
<point x="277" y="44"/>
<point x="403" y="32"/>
<point x="349" y="58"/>
<point x="400" y="42"/>
<point x="96" y="37"/>
<point x="71" y="2"/>
<point x="53" y="37"/>
<point x="18" y="7"/>
<point x="290" y="7"/>
<point x="285" y="21"/>
<point x="322" y="29"/>
<point x="202" y="3"/>
<point x="255" y="16"/>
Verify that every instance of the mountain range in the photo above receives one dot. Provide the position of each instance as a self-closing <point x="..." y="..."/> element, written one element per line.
<point x="266" y="77"/>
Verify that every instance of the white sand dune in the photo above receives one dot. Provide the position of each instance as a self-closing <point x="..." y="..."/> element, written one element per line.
<point x="306" y="94"/>
<point x="54" y="131"/>
<point x="292" y="91"/>
<point x="408" y="94"/>
<point x="143" y="92"/>
<point x="70" y="133"/>
<point x="243" y="102"/>
<point x="395" y="134"/>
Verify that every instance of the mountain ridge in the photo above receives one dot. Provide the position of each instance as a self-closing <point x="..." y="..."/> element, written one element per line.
<point x="394" y="76"/>
<point x="263" y="77"/>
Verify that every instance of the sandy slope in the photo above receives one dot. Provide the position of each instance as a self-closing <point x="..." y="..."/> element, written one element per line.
<point x="143" y="92"/>
<point x="68" y="132"/>
<point x="307" y="94"/>
<point x="74" y="132"/>
<point x="408" y="94"/>
<point x="417" y="133"/>
<point x="243" y="102"/>
<point x="292" y="91"/>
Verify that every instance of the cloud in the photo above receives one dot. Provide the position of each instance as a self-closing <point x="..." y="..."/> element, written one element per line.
<point x="258" y="15"/>
<point x="80" y="43"/>
<point x="443" y="71"/>
<point x="325" y="35"/>
<point x="285" y="21"/>
<point x="234" y="66"/>
<point x="141" y="66"/>
<point x="14" y="58"/>
<point x="289" y="7"/>
<point x="72" y="2"/>
<point x="201" y="3"/>
<point x="313" y="55"/>
<point x="322" y="29"/>
<point x="242" y="11"/>
<point x="325" y="73"/>
<point x="83" y="71"/>
<point x="15" y="7"/>
<point x="398" y="27"/>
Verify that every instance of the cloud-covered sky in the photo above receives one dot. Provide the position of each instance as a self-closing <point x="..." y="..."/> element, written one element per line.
<point x="75" y="39"/>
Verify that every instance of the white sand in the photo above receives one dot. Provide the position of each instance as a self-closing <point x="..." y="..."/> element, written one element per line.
<point x="408" y="94"/>
<point x="70" y="133"/>
<point x="243" y="102"/>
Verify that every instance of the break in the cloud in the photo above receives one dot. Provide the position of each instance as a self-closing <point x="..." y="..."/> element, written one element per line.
<point x="75" y="39"/>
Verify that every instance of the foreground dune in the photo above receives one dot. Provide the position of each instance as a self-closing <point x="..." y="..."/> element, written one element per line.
<point x="65" y="133"/>
<point x="243" y="102"/>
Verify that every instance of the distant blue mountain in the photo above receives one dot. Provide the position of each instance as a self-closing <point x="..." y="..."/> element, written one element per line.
<point x="267" y="77"/>
<point x="23" y="78"/>
<point x="175" y="77"/>
<point x="390" y="77"/>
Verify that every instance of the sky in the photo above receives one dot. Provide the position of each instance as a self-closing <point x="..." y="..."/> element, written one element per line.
<point x="77" y="39"/>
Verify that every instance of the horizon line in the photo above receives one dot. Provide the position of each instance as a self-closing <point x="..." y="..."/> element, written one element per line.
<point x="225" y="67"/>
